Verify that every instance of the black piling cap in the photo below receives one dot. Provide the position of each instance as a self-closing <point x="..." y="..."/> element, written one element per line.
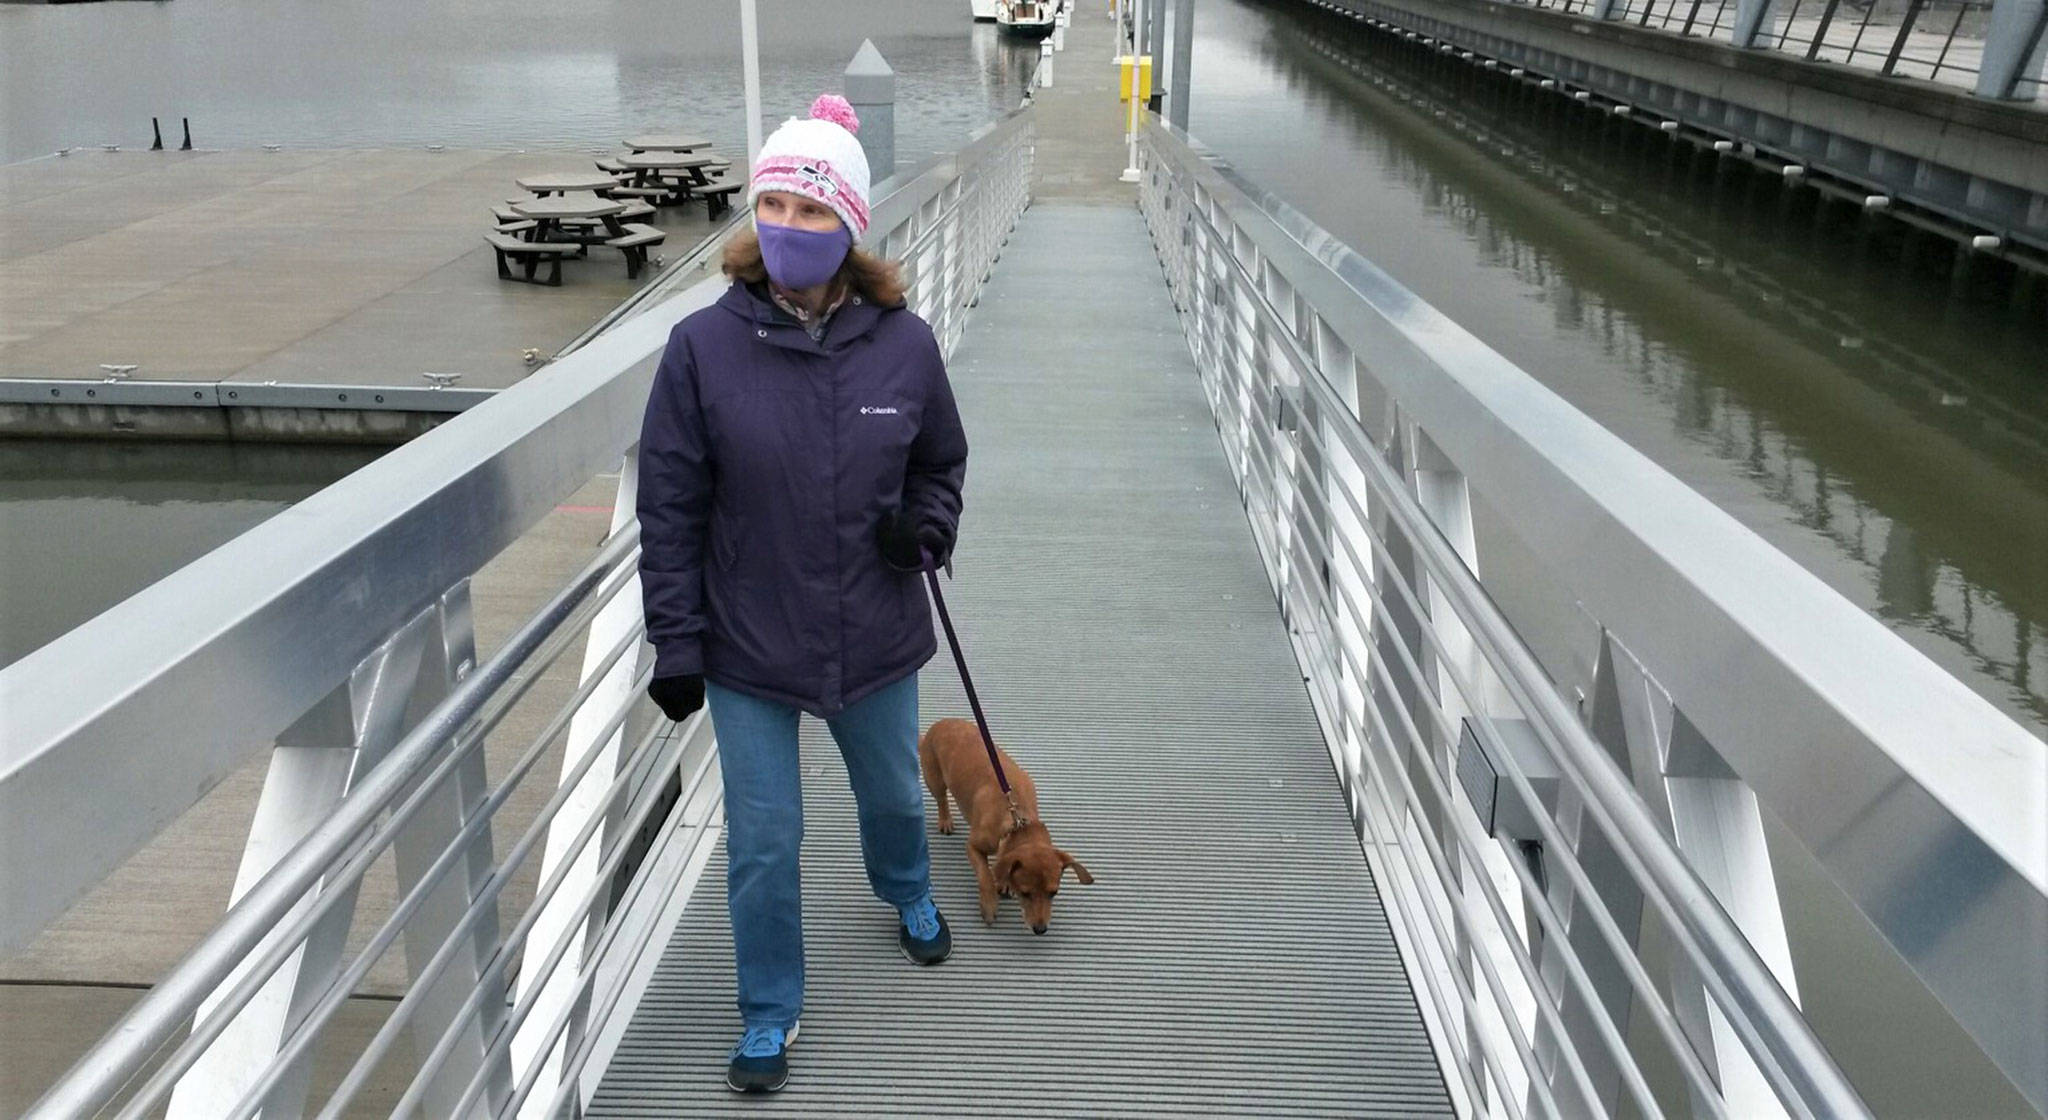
<point x="187" y="145"/>
<point x="159" y="132"/>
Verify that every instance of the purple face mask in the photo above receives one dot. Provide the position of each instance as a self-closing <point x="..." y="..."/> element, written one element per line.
<point x="801" y="258"/>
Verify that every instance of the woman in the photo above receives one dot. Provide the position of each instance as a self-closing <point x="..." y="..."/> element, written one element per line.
<point x="800" y="464"/>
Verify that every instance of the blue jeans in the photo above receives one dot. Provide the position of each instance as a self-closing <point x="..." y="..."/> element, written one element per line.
<point x="764" y="829"/>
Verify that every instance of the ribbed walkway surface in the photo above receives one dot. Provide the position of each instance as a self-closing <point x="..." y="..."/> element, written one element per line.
<point x="1232" y="957"/>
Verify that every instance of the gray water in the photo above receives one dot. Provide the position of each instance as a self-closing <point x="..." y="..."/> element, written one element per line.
<point x="85" y="525"/>
<point x="564" y="75"/>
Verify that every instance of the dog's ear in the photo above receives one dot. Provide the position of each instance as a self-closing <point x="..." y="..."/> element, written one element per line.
<point x="1080" y="872"/>
<point x="1006" y="871"/>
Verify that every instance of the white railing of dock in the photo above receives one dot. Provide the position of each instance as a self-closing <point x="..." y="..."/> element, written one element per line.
<point x="1575" y="846"/>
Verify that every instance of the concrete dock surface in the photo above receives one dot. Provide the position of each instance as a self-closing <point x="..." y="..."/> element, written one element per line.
<point x="326" y="268"/>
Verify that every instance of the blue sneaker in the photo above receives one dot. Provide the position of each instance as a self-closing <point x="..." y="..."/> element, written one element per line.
<point x="924" y="936"/>
<point x="760" y="1060"/>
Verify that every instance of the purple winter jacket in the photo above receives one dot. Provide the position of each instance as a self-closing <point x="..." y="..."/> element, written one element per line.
<point x="766" y="461"/>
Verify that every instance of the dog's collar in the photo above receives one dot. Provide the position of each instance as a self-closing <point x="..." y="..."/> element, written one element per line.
<point x="1017" y="818"/>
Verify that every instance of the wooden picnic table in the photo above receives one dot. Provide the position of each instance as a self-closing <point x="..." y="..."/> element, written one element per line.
<point x="548" y="213"/>
<point x="667" y="142"/>
<point x="562" y="182"/>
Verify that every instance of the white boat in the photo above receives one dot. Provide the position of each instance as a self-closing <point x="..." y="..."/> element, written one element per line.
<point x="1032" y="18"/>
<point x="984" y="10"/>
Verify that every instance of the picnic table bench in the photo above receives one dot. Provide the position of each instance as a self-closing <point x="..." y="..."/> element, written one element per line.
<point x="559" y="225"/>
<point x="529" y="254"/>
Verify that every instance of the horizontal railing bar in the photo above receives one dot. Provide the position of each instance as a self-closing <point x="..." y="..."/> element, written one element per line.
<point x="496" y="971"/>
<point x="1596" y="906"/>
<point x="587" y="971"/>
<point x="1555" y="845"/>
<point x="355" y="860"/>
<point x="90" y="1083"/>
<point x="338" y="990"/>
<point x="572" y="1069"/>
<point x="486" y="896"/>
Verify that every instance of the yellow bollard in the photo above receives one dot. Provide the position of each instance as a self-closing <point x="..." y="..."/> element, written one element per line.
<point x="1123" y="85"/>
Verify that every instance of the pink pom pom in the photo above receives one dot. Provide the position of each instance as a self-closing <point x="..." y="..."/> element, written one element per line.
<point x="832" y="107"/>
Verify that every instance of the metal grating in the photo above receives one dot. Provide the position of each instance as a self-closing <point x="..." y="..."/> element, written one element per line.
<point x="1232" y="956"/>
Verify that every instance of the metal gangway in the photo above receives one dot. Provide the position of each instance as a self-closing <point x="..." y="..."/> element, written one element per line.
<point x="1362" y="848"/>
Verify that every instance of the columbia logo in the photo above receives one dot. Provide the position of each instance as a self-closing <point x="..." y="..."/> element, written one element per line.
<point x="878" y="410"/>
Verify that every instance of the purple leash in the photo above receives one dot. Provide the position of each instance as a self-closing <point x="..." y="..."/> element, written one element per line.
<point x="931" y="578"/>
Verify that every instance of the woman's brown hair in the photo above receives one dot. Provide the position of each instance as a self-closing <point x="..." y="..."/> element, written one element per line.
<point x="878" y="281"/>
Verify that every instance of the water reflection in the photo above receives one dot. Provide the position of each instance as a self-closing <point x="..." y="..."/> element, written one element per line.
<point x="387" y="73"/>
<point x="85" y="525"/>
<point x="1833" y="383"/>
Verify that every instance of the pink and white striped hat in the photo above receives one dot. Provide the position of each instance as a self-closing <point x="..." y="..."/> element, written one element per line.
<point x="818" y="158"/>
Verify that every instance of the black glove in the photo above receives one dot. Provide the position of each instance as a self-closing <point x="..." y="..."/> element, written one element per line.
<point x="905" y="543"/>
<point x="677" y="696"/>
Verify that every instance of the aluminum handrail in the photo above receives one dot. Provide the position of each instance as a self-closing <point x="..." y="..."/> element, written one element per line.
<point x="1801" y="1068"/>
<point x="102" y="1072"/>
<point x="1320" y="368"/>
<point x="366" y="554"/>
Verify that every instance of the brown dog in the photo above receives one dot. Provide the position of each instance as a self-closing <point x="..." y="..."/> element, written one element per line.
<point x="1025" y="862"/>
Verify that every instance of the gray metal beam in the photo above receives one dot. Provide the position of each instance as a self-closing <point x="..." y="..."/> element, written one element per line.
<point x="2015" y="50"/>
<point x="1183" y="61"/>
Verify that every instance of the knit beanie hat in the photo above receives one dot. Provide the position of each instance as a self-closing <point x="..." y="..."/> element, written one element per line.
<point x="819" y="159"/>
